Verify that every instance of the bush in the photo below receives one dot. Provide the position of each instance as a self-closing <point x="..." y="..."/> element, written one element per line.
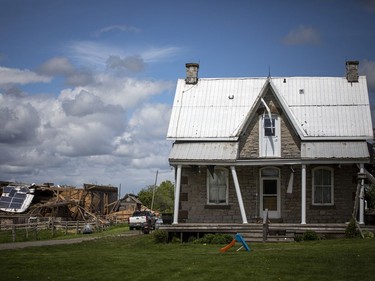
<point x="160" y="236"/>
<point x="310" y="236"/>
<point x="298" y="238"/>
<point x="351" y="230"/>
<point x="368" y="234"/>
<point x="219" y="239"/>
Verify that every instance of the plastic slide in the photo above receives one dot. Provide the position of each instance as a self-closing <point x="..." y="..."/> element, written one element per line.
<point x="227" y="247"/>
<point x="237" y="238"/>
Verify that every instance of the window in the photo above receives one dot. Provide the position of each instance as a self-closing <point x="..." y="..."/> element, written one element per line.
<point x="269" y="136"/>
<point x="322" y="186"/>
<point x="217" y="186"/>
<point x="270" y="191"/>
<point x="269" y="127"/>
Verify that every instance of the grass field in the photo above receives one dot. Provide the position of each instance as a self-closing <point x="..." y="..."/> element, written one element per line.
<point x="139" y="258"/>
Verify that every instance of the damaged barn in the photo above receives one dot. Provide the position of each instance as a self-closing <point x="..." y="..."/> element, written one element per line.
<point x="92" y="202"/>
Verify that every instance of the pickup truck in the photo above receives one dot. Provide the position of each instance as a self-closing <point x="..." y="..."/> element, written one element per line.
<point x="139" y="219"/>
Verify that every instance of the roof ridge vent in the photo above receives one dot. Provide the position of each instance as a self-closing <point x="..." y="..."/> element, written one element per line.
<point x="192" y="73"/>
<point x="352" y="71"/>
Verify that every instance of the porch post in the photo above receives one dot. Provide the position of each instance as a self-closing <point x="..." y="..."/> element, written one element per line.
<point x="239" y="196"/>
<point x="362" y="196"/>
<point x="177" y="195"/>
<point x="303" y="195"/>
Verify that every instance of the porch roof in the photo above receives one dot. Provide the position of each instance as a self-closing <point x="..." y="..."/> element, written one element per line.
<point x="219" y="152"/>
<point x="343" y="150"/>
<point x="204" y="151"/>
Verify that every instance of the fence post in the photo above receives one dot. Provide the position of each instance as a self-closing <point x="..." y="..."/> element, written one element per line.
<point x="77" y="228"/>
<point x="13" y="232"/>
<point x="53" y="226"/>
<point x="66" y="227"/>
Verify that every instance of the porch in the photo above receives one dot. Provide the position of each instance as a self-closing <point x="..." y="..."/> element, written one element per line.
<point x="258" y="232"/>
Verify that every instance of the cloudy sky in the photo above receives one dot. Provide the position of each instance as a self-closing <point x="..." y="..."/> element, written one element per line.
<point x="86" y="87"/>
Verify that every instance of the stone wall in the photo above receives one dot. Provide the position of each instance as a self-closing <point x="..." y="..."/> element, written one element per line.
<point x="194" y="207"/>
<point x="249" y="140"/>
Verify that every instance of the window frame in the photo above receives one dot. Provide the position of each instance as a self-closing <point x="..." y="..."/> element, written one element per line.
<point x="271" y="213"/>
<point x="274" y="137"/>
<point x="332" y="186"/>
<point x="208" y="185"/>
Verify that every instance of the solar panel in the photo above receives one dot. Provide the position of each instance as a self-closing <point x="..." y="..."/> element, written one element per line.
<point x="12" y="192"/>
<point x="4" y="204"/>
<point x="15" y="205"/>
<point x="6" y="199"/>
<point x="7" y="189"/>
<point x="20" y="195"/>
<point x="13" y="198"/>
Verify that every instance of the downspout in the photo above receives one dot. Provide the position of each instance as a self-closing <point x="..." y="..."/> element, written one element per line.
<point x="177" y="195"/>
<point x="303" y="195"/>
<point x="239" y="196"/>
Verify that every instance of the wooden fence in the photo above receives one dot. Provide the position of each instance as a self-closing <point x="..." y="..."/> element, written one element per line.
<point x="31" y="228"/>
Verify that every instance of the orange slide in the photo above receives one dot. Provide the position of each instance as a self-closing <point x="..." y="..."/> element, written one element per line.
<point x="227" y="247"/>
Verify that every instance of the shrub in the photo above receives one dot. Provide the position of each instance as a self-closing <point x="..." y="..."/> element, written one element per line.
<point x="351" y="230"/>
<point x="368" y="234"/>
<point x="310" y="236"/>
<point x="298" y="238"/>
<point x="160" y="236"/>
<point x="214" y="239"/>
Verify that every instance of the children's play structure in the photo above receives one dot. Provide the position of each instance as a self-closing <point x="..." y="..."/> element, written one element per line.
<point x="237" y="238"/>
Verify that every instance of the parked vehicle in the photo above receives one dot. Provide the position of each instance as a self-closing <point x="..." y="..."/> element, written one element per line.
<point x="158" y="222"/>
<point x="142" y="219"/>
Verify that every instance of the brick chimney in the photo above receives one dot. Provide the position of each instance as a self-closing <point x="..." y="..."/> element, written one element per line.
<point x="192" y="73"/>
<point x="352" y="71"/>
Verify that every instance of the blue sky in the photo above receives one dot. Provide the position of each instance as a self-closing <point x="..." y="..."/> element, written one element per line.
<point x="86" y="87"/>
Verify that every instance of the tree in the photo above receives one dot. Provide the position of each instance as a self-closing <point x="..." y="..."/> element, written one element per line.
<point x="163" y="199"/>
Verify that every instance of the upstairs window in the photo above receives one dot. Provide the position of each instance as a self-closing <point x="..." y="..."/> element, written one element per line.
<point x="217" y="186"/>
<point x="322" y="189"/>
<point x="269" y="127"/>
<point x="269" y="136"/>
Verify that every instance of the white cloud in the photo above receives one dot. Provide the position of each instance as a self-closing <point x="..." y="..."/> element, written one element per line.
<point x="302" y="35"/>
<point x="103" y="132"/>
<point x="62" y="66"/>
<point x="123" y="28"/>
<point x="97" y="54"/>
<point x="133" y="63"/>
<point x="12" y="76"/>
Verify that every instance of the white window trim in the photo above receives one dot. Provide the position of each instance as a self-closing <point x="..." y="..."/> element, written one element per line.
<point x="277" y="132"/>
<point x="276" y="214"/>
<point x="332" y="186"/>
<point x="227" y="186"/>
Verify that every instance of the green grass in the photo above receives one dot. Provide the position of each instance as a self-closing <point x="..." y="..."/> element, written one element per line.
<point x="139" y="258"/>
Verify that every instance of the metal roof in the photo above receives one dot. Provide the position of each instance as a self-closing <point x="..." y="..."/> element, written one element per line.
<point x="319" y="107"/>
<point x="207" y="151"/>
<point x="342" y="150"/>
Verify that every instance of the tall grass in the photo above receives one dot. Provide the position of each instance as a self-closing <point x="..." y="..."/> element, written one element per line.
<point x="139" y="258"/>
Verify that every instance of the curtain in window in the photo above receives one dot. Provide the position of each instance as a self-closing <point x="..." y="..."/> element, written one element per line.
<point x="322" y="186"/>
<point x="218" y="187"/>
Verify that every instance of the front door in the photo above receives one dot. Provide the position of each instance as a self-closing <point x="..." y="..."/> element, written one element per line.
<point x="270" y="192"/>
